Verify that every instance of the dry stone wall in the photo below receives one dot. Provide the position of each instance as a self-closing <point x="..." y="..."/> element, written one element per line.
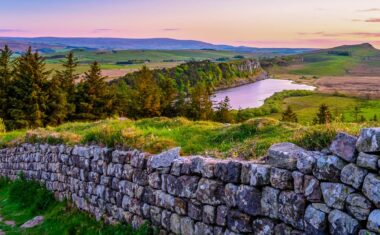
<point x="290" y="191"/>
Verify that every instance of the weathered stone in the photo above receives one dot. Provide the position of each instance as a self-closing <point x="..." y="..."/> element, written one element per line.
<point x="239" y="222"/>
<point x="201" y="228"/>
<point x="175" y="223"/>
<point x="315" y="221"/>
<point x="298" y="183"/>
<point x="197" y="164"/>
<point x="187" y="226"/>
<point x="228" y="171"/>
<point x="284" y="155"/>
<point x="259" y="175"/>
<point x="358" y="206"/>
<point x="335" y="194"/>
<point x="180" y="206"/>
<point x="208" y="215"/>
<point x="282" y="229"/>
<point x="306" y="162"/>
<point x="248" y="200"/>
<point x="33" y="222"/>
<point x="328" y="168"/>
<point x="208" y="168"/>
<point x="195" y="210"/>
<point x="369" y="140"/>
<point x="371" y="188"/>
<point x="263" y="227"/>
<point x="353" y="175"/>
<point x="291" y="208"/>
<point x="374" y="221"/>
<point x="342" y="224"/>
<point x="344" y="146"/>
<point x="245" y="173"/>
<point x="154" y="180"/>
<point x="368" y="161"/>
<point x="269" y="202"/>
<point x="230" y="193"/>
<point x="322" y="207"/>
<point x="312" y="189"/>
<point x="155" y="215"/>
<point x="281" y="179"/>
<point x="210" y="191"/>
<point x="366" y="232"/>
<point x="165" y="219"/>
<point x="164" y="159"/>
<point x="221" y="215"/>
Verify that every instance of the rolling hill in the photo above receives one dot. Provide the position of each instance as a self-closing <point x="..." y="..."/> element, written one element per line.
<point x="353" y="60"/>
<point x="56" y="44"/>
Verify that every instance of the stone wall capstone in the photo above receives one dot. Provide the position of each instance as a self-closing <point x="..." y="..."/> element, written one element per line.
<point x="290" y="191"/>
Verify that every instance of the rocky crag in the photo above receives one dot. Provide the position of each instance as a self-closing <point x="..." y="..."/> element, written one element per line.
<point x="290" y="191"/>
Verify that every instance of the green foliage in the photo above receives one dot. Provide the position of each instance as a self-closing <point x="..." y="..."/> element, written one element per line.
<point x="323" y="116"/>
<point x="2" y="126"/>
<point x="316" y="138"/>
<point x="289" y="116"/>
<point x="223" y="113"/>
<point x="22" y="200"/>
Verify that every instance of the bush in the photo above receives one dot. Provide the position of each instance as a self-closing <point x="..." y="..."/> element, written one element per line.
<point x="2" y="126"/>
<point x="315" y="138"/>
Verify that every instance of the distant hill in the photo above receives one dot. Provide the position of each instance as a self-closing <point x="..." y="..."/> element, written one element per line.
<point x="357" y="60"/>
<point x="58" y="43"/>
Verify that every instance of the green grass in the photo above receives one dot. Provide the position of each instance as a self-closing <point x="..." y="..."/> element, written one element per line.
<point x="22" y="200"/>
<point x="248" y="140"/>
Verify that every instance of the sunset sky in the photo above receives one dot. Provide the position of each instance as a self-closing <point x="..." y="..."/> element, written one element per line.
<point x="261" y="23"/>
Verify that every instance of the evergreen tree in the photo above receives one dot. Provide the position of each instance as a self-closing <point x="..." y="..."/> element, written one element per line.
<point x="29" y="99"/>
<point x="362" y="118"/>
<point x="223" y="113"/>
<point x="57" y="109"/>
<point x="5" y="79"/>
<point x="147" y="99"/>
<point x="200" y="106"/>
<point x="289" y="116"/>
<point x="65" y="80"/>
<point x="168" y="89"/>
<point x="374" y="118"/>
<point x="94" y="98"/>
<point x="323" y="116"/>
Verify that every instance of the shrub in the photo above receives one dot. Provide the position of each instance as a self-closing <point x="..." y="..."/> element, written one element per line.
<point x="315" y="138"/>
<point x="2" y="126"/>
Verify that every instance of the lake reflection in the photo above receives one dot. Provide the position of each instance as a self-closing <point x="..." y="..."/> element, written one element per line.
<point x="253" y="95"/>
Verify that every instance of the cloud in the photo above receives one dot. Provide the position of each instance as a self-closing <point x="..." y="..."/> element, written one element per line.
<point x="323" y="34"/>
<point x="370" y="10"/>
<point x="10" y="30"/>
<point x="373" y="20"/>
<point x="101" y="30"/>
<point x="171" y="29"/>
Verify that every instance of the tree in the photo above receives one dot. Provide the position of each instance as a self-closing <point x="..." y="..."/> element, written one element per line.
<point x="289" y="116"/>
<point x="147" y="99"/>
<point x="29" y="99"/>
<point x="57" y="108"/>
<point x="223" y="113"/>
<point x="356" y="113"/>
<point x="200" y="106"/>
<point x="168" y="89"/>
<point x="323" y="116"/>
<point x="94" y="97"/>
<point x="5" y="79"/>
<point x="374" y="118"/>
<point x="65" y="80"/>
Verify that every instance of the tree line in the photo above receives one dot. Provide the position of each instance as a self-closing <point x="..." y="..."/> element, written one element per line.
<point x="31" y="96"/>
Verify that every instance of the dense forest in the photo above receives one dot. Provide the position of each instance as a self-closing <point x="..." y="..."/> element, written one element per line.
<point x="31" y="96"/>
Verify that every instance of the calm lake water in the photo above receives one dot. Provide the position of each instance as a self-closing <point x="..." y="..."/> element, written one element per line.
<point x="253" y="95"/>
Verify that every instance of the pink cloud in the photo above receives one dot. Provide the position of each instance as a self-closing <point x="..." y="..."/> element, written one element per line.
<point x="373" y="20"/>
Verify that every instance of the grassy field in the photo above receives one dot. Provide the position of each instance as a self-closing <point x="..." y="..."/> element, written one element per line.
<point x="247" y="140"/>
<point x="362" y="60"/>
<point x="22" y="200"/>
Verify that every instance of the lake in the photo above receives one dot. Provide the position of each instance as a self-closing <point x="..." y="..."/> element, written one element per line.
<point x="253" y="95"/>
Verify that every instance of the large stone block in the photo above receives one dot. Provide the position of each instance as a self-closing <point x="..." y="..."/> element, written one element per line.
<point x="248" y="200"/>
<point x="368" y="161"/>
<point x="353" y="175"/>
<point x="292" y="208"/>
<point x="374" y="221"/>
<point x="328" y="168"/>
<point x="342" y="224"/>
<point x="371" y="188"/>
<point x="239" y="222"/>
<point x="269" y="202"/>
<point x="210" y="192"/>
<point x="344" y="146"/>
<point x="315" y="221"/>
<point x="369" y="140"/>
<point x="281" y="179"/>
<point x="284" y="155"/>
<point x="263" y="226"/>
<point x="164" y="159"/>
<point x="228" y="171"/>
<point x="358" y="206"/>
<point x="335" y="194"/>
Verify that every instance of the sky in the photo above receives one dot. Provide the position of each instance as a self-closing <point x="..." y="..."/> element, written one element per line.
<point x="259" y="23"/>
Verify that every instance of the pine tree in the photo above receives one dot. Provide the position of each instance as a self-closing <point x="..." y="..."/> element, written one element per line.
<point x="374" y="118"/>
<point x="94" y="97"/>
<point x="168" y="89"/>
<point x="28" y="88"/>
<point x="57" y="109"/>
<point x="289" y="116"/>
<point x="147" y="99"/>
<point x="223" y="113"/>
<point x="323" y="116"/>
<point x="200" y="106"/>
<point x="66" y="79"/>
<point x="5" y="79"/>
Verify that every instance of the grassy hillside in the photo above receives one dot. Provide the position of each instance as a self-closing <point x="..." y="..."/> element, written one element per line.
<point x="247" y="140"/>
<point x="360" y="59"/>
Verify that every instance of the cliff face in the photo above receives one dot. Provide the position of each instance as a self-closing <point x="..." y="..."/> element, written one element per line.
<point x="291" y="191"/>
